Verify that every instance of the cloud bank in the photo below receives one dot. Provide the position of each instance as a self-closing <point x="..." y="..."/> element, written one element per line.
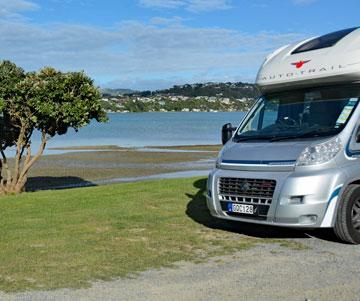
<point x="139" y="55"/>
<point x="303" y="2"/>
<point x="190" y="5"/>
<point x="12" y="8"/>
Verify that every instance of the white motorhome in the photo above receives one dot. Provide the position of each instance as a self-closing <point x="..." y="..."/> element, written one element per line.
<point x="294" y="160"/>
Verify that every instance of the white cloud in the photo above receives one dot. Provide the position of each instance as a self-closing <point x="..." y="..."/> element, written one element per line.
<point x="190" y="5"/>
<point x="139" y="54"/>
<point x="12" y="8"/>
<point x="162" y="3"/>
<point x="208" y="5"/>
<point x="303" y="2"/>
<point x="166" y="21"/>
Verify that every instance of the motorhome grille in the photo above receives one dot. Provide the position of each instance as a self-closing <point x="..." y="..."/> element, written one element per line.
<point x="260" y="189"/>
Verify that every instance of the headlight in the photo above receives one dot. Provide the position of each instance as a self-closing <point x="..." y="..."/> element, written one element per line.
<point x="319" y="153"/>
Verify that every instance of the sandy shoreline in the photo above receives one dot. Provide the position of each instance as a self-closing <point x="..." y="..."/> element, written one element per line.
<point x="98" y="165"/>
<point x="205" y="147"/>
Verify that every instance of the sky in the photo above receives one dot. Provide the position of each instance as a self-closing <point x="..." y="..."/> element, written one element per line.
<point x="154" y="44"/>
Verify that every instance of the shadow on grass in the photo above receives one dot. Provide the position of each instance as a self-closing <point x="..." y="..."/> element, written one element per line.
<point x="45" y="183"/>
<point x="197" y="210"/>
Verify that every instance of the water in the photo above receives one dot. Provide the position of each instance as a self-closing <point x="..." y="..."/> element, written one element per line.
<point x="150" y="129"/>
<point x="146" y="129"/>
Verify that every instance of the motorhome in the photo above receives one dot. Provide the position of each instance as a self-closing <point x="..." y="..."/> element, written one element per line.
<point x="294" y="160"/>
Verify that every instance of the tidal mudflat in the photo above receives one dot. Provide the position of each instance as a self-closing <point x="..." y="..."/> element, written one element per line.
<point x="86" y="166"/>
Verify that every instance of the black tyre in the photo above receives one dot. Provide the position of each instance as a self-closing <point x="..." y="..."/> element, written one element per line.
<point x="347" y="224"/>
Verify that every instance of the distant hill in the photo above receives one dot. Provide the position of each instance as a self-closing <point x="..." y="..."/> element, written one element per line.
<point x="207" y="97"/>
<point x="116" y="92"/>
<point x="230" y="90"/>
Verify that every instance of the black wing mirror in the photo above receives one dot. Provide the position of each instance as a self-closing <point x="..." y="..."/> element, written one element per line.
<point x="227" y="132"/>
<point x="357" y="138"/>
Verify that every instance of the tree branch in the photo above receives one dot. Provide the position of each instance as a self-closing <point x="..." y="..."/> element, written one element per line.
<point x="6" y="166"/>
<point x="30" y="161"/>
<point x="26" y="144"/>
<point x="19" y="146"/>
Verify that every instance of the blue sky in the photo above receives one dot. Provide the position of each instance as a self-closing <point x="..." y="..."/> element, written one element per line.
<point x="153" y="44"/>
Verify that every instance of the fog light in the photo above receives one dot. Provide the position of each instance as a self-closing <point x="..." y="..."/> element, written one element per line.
<point x="294" y="200"/>
<point x="307" y="219"/>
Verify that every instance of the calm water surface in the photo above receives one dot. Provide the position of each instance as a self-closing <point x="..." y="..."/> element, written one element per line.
<point x="155" y="129"/>
<point x="147" y="129"/>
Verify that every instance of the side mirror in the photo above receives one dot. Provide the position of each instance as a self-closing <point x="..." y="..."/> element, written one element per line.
<point x="227" y="132"/>
<point x="357" y="138"/>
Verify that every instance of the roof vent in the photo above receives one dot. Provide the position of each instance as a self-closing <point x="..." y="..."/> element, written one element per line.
<point x="324" y="41"/>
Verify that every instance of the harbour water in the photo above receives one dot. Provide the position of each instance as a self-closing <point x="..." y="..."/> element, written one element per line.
<point x="136" y="130"/>
<point x="150" y="129"/>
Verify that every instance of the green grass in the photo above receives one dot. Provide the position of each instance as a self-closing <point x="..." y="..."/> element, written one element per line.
<point x="69" y="238"/>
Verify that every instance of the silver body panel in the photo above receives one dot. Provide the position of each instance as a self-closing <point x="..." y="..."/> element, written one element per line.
<point x="309" y="184"/>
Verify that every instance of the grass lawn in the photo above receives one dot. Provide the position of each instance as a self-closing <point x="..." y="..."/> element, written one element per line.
<point x="68" y="238"/>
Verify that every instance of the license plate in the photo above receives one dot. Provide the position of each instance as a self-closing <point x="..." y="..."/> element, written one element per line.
<point x="240" y="208"/>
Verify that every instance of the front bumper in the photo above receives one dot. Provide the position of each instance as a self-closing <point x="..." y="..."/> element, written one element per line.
<point x="315" y="188"/>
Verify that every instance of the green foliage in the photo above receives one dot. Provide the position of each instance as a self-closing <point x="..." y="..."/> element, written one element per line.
<point x="49" y="101"/>
<point x="229" y="90"/>
<point x="10" y="75"/>
<point x="109" y="106"/>
<point x="196" y="97"/>
<point x="116" y="92"/>
<point x="52" y="101"/>
<point x="132" y="105"/>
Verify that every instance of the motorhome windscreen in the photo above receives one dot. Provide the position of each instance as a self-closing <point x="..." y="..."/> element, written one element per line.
<point x="300" y="114"/>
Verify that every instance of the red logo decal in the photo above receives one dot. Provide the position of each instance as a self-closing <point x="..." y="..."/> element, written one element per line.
<point x="299" y="64"/>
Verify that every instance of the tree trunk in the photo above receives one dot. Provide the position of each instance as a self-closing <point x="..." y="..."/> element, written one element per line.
<point x="15" y="182"/>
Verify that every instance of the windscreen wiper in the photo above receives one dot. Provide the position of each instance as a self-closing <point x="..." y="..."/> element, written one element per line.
<point x="249" y="138"/>
<point x="313" y="133"/>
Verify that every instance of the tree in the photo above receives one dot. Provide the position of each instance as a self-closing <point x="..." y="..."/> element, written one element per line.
<point x="48" y="101"/>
